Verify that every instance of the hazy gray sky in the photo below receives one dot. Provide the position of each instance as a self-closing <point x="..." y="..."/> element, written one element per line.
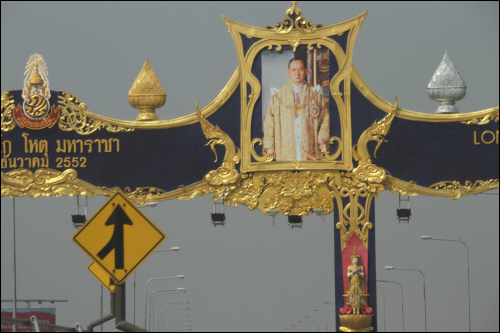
<point x="252" y="275"/>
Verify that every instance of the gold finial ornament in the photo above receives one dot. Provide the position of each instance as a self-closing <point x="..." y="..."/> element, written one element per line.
<point x="36" y="79"/>
<point x="354" y="254"/>
<point x="294" y="20"/>
<point x="147" y="93"/>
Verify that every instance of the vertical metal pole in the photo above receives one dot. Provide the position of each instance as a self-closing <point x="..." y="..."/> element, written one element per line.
<point x="119" y="303"/>
<point x="468" y="283"/>
<point x="102" y="296"/>
<point x="425" y="303"/>
<point x="383" y="299"/>
<point x="134" y="297"/>
<point x="14" y="295"/>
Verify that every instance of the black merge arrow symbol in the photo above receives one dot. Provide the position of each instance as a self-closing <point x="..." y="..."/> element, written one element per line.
<point x="118" y="218"/>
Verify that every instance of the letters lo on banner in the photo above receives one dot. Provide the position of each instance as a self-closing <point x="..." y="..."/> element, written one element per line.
<point x="119" y="237"/>
<point x="102" y="276"/>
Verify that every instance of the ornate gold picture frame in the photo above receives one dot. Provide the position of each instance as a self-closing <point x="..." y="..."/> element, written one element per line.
<point x="292" y="33"/>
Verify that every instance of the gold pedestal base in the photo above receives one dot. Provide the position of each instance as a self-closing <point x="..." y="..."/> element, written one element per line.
<point x="356" y="323"/>
<point x="147" y="114"/>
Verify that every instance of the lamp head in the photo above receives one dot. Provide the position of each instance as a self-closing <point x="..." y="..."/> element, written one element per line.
<point x="425" y="237"/>
<point x="389" y="267"/>
<point x="218" y="219"/>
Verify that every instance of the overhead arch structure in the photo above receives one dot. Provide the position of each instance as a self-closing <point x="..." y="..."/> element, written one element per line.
<point x="52" y="145"/>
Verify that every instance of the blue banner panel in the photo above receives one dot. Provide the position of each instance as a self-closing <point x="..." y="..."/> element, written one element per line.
<point x="126" y="159"/>
<point x="429" y="152"/>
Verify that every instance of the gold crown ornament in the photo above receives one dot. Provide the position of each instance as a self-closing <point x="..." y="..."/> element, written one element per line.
<point x="354" y="254"/>
<point x="147" y="93"/>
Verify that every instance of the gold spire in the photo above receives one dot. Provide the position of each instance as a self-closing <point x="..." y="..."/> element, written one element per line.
<point x="147" y="93"/>
<point x="354" y="254"/>
<point x="36" y="79"/>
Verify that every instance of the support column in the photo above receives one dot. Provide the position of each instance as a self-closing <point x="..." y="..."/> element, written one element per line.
<point x="355" y="237"/>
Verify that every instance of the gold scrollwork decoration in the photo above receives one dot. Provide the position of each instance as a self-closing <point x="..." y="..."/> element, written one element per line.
<point x="290" y="193"/>
<point x="294" y="20"/>
<point x="482" y="120"/>
<point x="458" y="189"/>
<point x="334" y="156"/>
<point x="362" y="184"/>
<point x="74" y="118"/>
<point x="143" y="195"/>
<point x="8" y="122"/>
<point x="48" y="182"/>
<point x="226" y="175"/>
<point x="355" y="213"/>
<point x="403" y="190"/>
<point x="265" y="157"/>
<point x="294" y="43"/>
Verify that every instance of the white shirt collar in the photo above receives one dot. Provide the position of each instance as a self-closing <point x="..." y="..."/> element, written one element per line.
<point x="298" y="89"/>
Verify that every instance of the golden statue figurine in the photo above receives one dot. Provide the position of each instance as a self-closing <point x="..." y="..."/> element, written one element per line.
<point x="356" y="295"/>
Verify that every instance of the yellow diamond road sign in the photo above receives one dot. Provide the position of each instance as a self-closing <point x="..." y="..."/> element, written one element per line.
<point x="102" y="276"/>
<point x="119" y="237"/>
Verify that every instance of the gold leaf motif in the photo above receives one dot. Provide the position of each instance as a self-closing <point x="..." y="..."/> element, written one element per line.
<point x="48" y="182"/>
<point x="458" y="189"/>
<point x="143" y="195"/>
<point x="73" y="117"/>
<point x="265" y="157"/>
<point x="482" y="120"/>
<point x="294" y="43"/>
<point x="8" y="122"/>
<point x="294" y="20"/>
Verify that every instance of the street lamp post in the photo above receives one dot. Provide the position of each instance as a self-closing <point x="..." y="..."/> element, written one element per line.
<point x="176" y="249"/>
<point x="309" y="327"/>
<point x="402" y="310"/>
<point x="178" y="321"/>
<point x="383" y="300"/>
<point x="327" y="311"/>
<point x="467" y="253"/>
<point x="146" y="292"/>
<point x="177" y="328"/>
<point x="411" y="269"/>
<point x="152" y="300"/>
<point x="326" y="321"/>
<point x="164" y="320"/>
<point x="159" y="321"/>
<point x="309" y="321"/>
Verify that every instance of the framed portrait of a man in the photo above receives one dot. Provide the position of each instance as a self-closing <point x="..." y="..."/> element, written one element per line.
<point x="295" y="108"/>
<point x="295" y="92"/>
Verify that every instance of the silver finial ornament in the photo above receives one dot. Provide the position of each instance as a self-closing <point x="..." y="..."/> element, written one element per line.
<point x="446" y="86"/>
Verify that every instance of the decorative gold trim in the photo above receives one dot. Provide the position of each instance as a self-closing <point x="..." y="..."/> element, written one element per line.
<point x="226" y="175"/>
<point x="48" y="182"/>
<point x="192" y="118"/>
<point x="335" y="155"/>
<point x="482" y="120"/>
<point x="8" y="122"/>
<point x="74" y="117"/>
<point x="265" y="157"/>
<point x="450" y="189"/>
<point x="269" y="39"/>
<point x="289" y="23"/>
<point x="287" y="192"/>
<point x="356" y="323"/>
